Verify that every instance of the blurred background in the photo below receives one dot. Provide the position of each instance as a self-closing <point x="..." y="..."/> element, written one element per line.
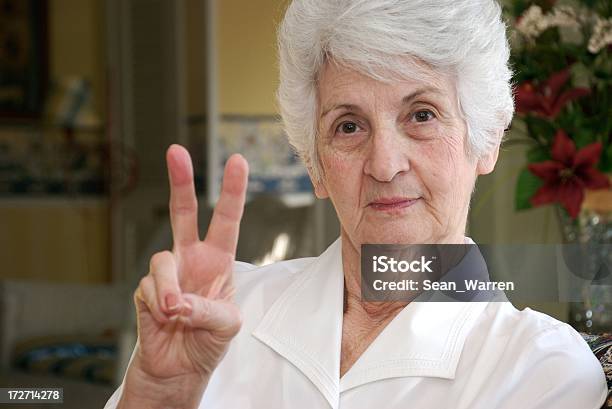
<point x="92" y="92"/>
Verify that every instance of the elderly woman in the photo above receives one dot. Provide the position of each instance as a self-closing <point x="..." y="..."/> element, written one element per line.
<point x="395" y="106"/>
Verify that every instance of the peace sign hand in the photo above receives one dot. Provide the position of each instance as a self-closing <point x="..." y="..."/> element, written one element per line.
<point x="186" y="314"/>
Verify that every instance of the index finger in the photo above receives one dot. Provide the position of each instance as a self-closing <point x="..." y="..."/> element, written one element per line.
<point x="183" y="201"/>
<point x="225" y="224"/>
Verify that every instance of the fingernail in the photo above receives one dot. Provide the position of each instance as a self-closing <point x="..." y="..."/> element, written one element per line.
<point x="171" y="302"/>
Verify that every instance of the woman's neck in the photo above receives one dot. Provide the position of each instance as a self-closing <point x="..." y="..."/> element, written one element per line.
<point x="351" y="266"/>
<point x="362" y="321"/>
<point x="373" y="312"/>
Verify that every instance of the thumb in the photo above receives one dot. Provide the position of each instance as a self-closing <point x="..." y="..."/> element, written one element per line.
<point x="219" y="316"/>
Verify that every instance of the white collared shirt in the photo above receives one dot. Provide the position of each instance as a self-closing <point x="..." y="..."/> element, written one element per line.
<point x="457" y="355"/>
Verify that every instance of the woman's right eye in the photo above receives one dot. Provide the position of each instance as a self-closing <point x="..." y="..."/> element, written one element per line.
<point x="347" y="127"/>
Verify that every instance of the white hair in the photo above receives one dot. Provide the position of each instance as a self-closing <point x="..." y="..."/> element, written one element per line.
<point x="466" y="38"/>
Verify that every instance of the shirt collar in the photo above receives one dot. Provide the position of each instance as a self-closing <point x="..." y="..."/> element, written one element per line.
<point x="304" y="325"/>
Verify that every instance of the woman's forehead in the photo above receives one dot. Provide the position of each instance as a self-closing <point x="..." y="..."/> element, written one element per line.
<point x="339" y="81"/>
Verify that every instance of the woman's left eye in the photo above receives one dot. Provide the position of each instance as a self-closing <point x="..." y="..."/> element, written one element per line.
<point x="423" y="115"/>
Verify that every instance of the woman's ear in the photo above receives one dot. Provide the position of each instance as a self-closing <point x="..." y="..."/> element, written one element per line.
<point x="486" y="163"/>
<point x="319" y="188"/>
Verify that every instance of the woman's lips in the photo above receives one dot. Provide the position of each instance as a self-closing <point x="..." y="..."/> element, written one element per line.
<point x="387" y="204"/>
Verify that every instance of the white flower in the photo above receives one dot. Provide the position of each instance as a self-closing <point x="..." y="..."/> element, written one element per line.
<point x="564" y="16"/>
<point x="602" y="35"/>
<point x="533" y="22"/>
<point x="530" y="22"/>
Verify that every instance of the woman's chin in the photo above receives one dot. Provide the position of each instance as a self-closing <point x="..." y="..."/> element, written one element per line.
<point x="380" y="235"/>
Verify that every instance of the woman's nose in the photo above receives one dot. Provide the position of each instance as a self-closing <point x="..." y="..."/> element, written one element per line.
<point x="386" y="156"/>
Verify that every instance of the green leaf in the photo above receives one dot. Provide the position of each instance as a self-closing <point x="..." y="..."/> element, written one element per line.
<point x="526" y="186"/>
<point x="540" y="128"/>
<point x="518" y="7"/>
<point x="605" y="165"/>
<point x="537" y="154"/>
<point x="583" y="138"/>
<point x="549" y="36"/>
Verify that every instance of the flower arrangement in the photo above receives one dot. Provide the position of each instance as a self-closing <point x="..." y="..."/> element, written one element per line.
<point x="563" y="95"/>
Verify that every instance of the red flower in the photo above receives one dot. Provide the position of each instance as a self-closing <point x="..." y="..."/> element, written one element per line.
<point x="568" y="174"/>
<point x="547" y="100"/>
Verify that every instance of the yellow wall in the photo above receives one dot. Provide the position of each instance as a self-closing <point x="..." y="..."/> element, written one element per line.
<point x="247" y="69"/>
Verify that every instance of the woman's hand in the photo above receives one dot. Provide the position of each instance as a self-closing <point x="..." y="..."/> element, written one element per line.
<point x="186" y="314"/>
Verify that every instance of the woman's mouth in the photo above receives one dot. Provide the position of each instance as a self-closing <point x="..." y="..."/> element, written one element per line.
<point x="391" y="203"/>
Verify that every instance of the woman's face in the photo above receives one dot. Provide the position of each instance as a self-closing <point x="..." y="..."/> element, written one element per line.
<point x="393" y="157"/>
